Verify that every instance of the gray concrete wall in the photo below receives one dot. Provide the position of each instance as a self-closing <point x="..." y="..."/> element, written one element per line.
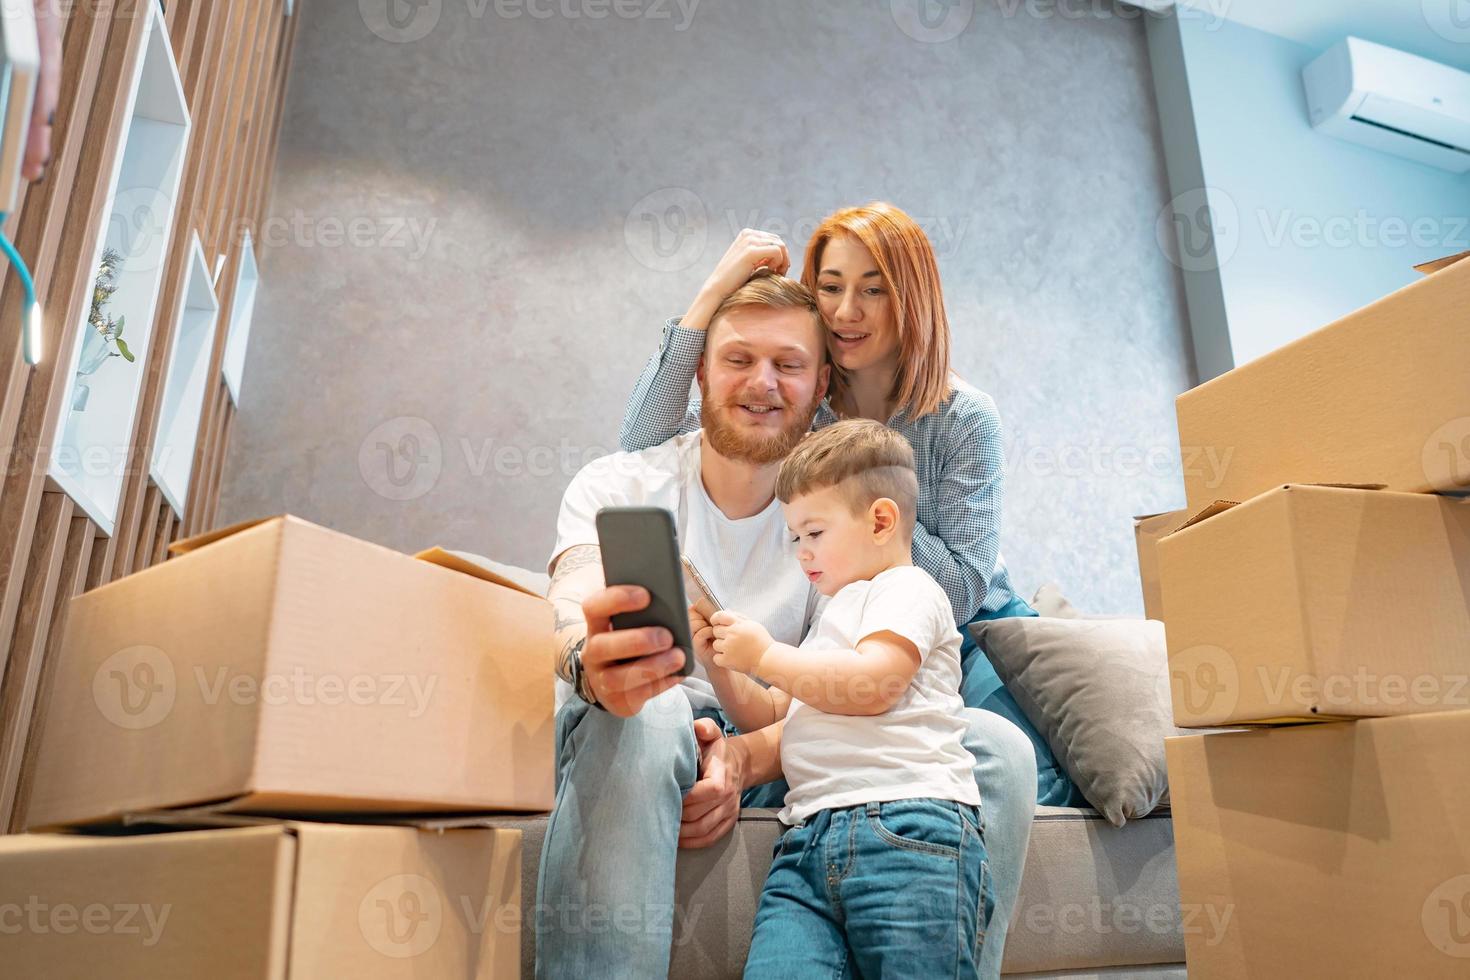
<point x="484" y="209"/>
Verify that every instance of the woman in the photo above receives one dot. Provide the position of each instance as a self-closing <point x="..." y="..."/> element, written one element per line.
<point x="876" y="280"/>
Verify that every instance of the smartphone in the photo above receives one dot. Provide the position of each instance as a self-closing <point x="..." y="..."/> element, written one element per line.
<point x="640" y="547"/>
<point x="698" y="590"/>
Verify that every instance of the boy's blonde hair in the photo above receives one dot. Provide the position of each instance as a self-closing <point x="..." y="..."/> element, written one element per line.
<point x="864" y="459"/>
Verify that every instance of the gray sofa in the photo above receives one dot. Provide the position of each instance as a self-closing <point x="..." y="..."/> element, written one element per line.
<point x="1096" y="900"/>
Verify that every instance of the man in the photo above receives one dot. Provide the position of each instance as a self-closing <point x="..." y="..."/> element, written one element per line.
<point x="642" y="761"/>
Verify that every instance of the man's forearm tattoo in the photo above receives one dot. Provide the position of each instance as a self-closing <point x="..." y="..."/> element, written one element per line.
<point x="564" y="657"/>
<point x="575" y="558"/>
<point x="567" y="611"/>
<point x="561" y="621"/>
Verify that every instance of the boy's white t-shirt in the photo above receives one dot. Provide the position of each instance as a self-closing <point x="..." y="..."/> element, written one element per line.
<point x="750" y="564"/>
<point x="916" y="748"/>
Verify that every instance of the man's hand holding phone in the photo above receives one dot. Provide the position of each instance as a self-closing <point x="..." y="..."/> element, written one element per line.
<point x="627" y="668"/>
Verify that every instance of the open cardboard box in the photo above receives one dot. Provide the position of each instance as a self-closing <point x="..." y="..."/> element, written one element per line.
<point x="280" y="667"/>
<point x="1380" y="396"/>
<point x="265" y="900"/>
<point x="1317" y="602"/>
<point x="1147" y="530"/>
<point x="1334" y="850"/>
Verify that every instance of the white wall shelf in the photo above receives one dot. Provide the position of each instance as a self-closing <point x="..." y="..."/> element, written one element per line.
<point x="90" y="457"/>
<point x="184" y="383"/>
<point x="242" y="311"/>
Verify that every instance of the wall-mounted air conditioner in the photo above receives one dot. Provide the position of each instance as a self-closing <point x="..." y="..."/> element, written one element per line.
<point x="1392" y="101"/>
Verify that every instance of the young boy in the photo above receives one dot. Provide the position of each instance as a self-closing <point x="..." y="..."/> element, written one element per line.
<point x="881" y="871"/>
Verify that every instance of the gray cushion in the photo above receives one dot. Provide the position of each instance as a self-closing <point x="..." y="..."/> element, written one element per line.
<point x="1049" y="601"/>
<point x="1076" y="863"/>
<point x="1098" y="691"/>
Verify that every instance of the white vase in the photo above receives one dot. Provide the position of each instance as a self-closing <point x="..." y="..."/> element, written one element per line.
<point x="94" y="354"/>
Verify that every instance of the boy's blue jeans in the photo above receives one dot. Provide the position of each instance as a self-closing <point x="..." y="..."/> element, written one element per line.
<point x="605" y="895"/>
<point x="876" y="890"/>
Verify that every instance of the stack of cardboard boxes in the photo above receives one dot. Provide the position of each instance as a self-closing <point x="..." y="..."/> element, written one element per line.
<point x="1318" y="590"/>
<point x="293" y="730"/>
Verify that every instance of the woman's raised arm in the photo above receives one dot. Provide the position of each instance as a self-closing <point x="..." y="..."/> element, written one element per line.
<point x="661" y="405"/>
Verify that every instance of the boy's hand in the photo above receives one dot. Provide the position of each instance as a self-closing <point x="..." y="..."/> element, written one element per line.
<point x="739" y="642"/>
<point x="703" y="634"/>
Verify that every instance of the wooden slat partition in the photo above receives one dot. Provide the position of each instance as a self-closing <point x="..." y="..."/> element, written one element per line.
<point x="71" y="582"/>
<point x="233" y="58"/>
<point x="38" y="601"/>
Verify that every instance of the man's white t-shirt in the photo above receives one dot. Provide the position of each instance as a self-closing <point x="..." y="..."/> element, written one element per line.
<point x="750" y="564"/>
<point x="916" y="748"/>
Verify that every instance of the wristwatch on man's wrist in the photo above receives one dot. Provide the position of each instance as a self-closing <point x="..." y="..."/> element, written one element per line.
<point x="581" y="683"/>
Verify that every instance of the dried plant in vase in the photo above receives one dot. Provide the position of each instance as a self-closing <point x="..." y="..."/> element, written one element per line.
<point x="104" y="339"/>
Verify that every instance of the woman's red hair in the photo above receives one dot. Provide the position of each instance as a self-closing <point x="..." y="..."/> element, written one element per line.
<point x="906" y="261"/>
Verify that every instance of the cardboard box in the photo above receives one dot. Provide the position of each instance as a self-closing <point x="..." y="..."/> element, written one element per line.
<point x="1378" y="397"/>
<point x="278" y="902"/>
<point x="280" y="667"/>
<point x="1147" y="530"/>
<point x="1337" y="850"/>
<point x="1313" y="602"/>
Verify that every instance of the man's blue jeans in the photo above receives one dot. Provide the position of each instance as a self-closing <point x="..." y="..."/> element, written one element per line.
<point x="894" y="889"/>
<point x="605" y="894"/>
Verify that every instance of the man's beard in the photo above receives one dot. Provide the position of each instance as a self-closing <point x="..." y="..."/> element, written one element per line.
<point x="734" y="444"/>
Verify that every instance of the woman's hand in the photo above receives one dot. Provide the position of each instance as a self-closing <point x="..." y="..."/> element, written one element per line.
<point x="750" y="251"/>
<point x="48" y="88"/>
<point x="739" y="642"/>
